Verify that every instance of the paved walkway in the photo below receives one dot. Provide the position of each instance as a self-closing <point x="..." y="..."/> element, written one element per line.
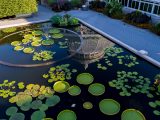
<point x="133" y="36"/>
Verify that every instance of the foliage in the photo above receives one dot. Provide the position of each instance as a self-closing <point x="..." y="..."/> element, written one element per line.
<point x="156" y="29"/>
<point x="9" y="30"/>
<point x="16" y="7"/>
<point x="76" y="3"/>
<point x="97" y="5"/>
<point x="43" y="55"/>
<point x="114" y="9"/>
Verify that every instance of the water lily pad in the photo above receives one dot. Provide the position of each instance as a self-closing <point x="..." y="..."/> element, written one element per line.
<point x="74" y="90"/>
<point x="26" y="41"/>
<point x="57" y="35"/>
<point x="61" y="86"/>
<point x="85" y="78"/>
<point x="52" y="101"/>
<point x="36" y="104"/>
<point x="36" y="44"/>
<point x="54" y="31"/>
<point x="11" y="111"/>
<point x="152" y="104"/>
<point x="48" y="42"/>
<point x="96" y="89"/>
<point x="157" y="102"/>
<point x="43" y="107"/>
<point x="17" y="116"/>
<point x="132" y="114"/>
<point x="156" y="112"/>
<point x="18" y="48"/>
<point x="26" y="106"/>
<point x="16" y="43"/>
<point x="38" y="115"/>
<point x="28" y="36"/>
<point x="28" y="50"/>
<point x="87" y="105"/>
<point x="67" y="115"/>
<point x="37" y="32"/>
<point x="109" y="107"/>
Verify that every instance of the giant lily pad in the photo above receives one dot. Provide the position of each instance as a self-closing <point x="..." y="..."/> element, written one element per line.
<point x="96" y="89"/>
<point x="109" y="107"/>
<point x="52" y="101"/>
<point x="74" y="90"/>
<point x="67" y="115"/>
<point x="132" y="114"/>
<point x="17" y="116"/>
<point x="11" y="111"/>
<point x="38" y="115"/>
<point x="61" y="86"/>
<point x="48" y="42"/>
<point x="85" y="78"/>
<point x="28" y="50"/>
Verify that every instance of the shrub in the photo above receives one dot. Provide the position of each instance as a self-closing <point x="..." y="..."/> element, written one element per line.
<point x="114" y="9"/>
<point x="97" y="5"/>
<point x="156" y="29"/>
<point x="16" y="7"/>
<point x="76" y="3"/>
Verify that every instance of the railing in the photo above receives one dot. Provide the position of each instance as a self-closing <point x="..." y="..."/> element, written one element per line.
<point x="151" y="7"/>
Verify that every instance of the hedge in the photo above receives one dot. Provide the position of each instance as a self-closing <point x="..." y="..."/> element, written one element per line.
<point x="17" y="7"/>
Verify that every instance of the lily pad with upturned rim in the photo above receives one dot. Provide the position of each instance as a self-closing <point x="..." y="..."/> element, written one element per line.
<point x="28" y="50"/>
<point x="67" y="115"/>
<point x="96" y="89"/>
<point x="132" y="114"/>
<point x="109" y="107"/>
<point x="74" y="90"/>
<point x="85" y="78"/>
<point x="61" y="86"/>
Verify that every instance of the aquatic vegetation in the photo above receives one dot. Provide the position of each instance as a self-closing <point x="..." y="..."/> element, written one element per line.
<point x="67" y="115"/>
<point x="18" y="48"/>
<point x="43" y="107"/>
<point x="128" y="60"/>
<point x="132" y="114"/>
<point x="155" y="105"/>
<point x="28" y="50"/>
<point x="17" y="116"/>
<point x="59" y="72"/>
<point x="11" y="111"/>
<point x="26" y="41"/>
<point x="21" y="85"/>
<point x="61" y="86"/>
<point x="85" y="78"/>
<point x="54" y="31"/>
<point x="36" y="104"/>
<point x="74" y="90"/>
<point x="9" y="30"/>
<point x="100" y="66"/>
<point x="87" y="105"/>
<point x="37" y="33"/>
<point x="52" y="100"/>
<point x="96" y="89"/>
<point x="47" y="42"/>
<point x="43" y="55"/>
<point x="38" y="115"/>
<point x="36" y="44"/>
<point x="109" y="107"/>
<point x="36" y="39"/>
<point x="157" y="80"/>
<point x="28" y="36"/>
<point x="57" y="36"/>
<point x="16" y="43"/>
<point x="63" y="44"/>
<point x="130" y="82"/>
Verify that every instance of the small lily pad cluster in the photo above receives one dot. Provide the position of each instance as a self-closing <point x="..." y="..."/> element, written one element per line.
<point x="55" y="33"/>
<point x="63" y="44"/>
<point x="130" y="82"/>
<point x="156" y="106"/>
<point x="60" y="72"/>
<point x="43" y="55"/>
<point x="128" y="60"/>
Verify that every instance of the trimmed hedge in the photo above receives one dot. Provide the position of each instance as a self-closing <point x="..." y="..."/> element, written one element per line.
<point x="16" y="7"/>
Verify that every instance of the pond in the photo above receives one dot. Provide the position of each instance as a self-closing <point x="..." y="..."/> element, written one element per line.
<point x="73" y="74"/>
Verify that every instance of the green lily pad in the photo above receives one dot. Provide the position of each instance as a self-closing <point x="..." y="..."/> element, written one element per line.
<point x="109" y="107"/>
<point x="87" y="105"/>
<point x="47" y="42"/>
<point x="36" y="104"/>
<point x="28" y="50"/>
<point x="18" y="48"/>
<point x="43" y="107"/>
<point x="61" y="86"/>
<point x="26" y="106"/>
<point x="152" y="104"/>
<point x="156" y="112"/>
<point x="11" y="111"/>
<point x="38" y="115"/>
<point x="54" y="31"/>
<point x="16" y="43"/>
<point x="36" y="39"/>
<point x="52" y="101"/>
<point x="74" y="90"/>
<point x="28" y="36"/>
<point x="67" y="115"/>
<point x="17" y="116"/>
<point x="36" y="44"/>
<point x="157" y="102"/>
<point x="26" y="41"/>
<point x="132" y="114"/>
<point x="37" y="32"/>
<point x="96" y="89"/>
<point x="85" y="78"/>
<point x="57" y="36"/>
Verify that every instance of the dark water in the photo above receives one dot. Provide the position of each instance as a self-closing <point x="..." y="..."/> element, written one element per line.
<point x="34" y="75"/>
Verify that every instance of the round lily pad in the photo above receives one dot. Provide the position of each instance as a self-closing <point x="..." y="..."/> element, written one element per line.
<point x="87" y="105"/>
<point x="38" y="115"/>
<point x="11" y="111"/>
<point x="52" y="101"/>
<point x="67" y="115"/>
<point x="37" y="33"/>
<point x="156" y="112"/>
<point x="28" y="36"/>
<point x="57" y="35"/>
<point x="36" y="104"/>
<point x="43" y="107"/>
<point x="16" y="43"/>
<point x="26" y="41"/>
<point x="109" y="107"/>
<point x="36" y="39"/>
<point x="157" y="102"/>
<point x="61" y="86"/>
<point x="23" y="99"/>
<point x="28" y="50"/>
<point x="36" y="44"/>
<point x="96" y="89"/>
<point x="17" y="116"/>
<point x="132" y="114"/>
<point x="74" y="90"/>
<point x="85" y="78"/>
<point x="152" y="104"/>
<point x="47" y="42"/>
<point x="18" y="48"/>
<point x="54" y="31"/>
<point x="26" y="106"/>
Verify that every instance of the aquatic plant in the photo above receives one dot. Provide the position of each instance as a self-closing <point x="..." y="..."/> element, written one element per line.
<point x="52" y="100"/>
<point x="35" y="44"/>
<point x="37" y="33"/>
<point x="38" y="115"/>
<point x="21" y="85"/>
<point x="74" y="90"/>
<point x="67" y="115"/>
<point x="85" y="78"/>
<point x="157" y="80"/>
<point x="59" y="72"/>
<point x="16" y="43"/>
<point x="63" y="44"/>
<point x="61" y="86"/>
<point x="48" y="42"/>
<point x="132" y="114"/>
<point x="130" y="82"/>
<point x="43" y="55"/>
<point x="87" y="105"/>
<point x="57" y="36"/>
<point x="96" y="89"/>
<point x="155" y="105"/>
<point x="18" y="48"/>
<point x="9" y="30"/>
<point x="11" y="111"/>
<point x="26" y="41"/>
<point x="109" y="107"/>
<point x="28" y="50"/>
<point x="17" y="116"/>
<point x="54" y="31"/>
